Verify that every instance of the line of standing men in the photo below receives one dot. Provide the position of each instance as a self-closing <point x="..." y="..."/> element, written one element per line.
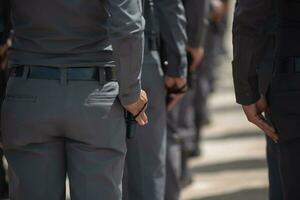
<point x="80" y="130"/>
<point x="148" y="174"/>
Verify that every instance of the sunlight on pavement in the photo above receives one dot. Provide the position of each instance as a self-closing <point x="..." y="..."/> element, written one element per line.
<point x="233" y="164"/>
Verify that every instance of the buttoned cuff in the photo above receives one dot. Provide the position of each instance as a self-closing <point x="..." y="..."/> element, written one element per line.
<point x="177" y="67"/>
<point x="246" y="93"/>
<point x="247" y="98"/>
<point x="132" y="96"/>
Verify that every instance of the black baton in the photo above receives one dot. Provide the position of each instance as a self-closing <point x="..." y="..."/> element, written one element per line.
<point x="131" y="125"/>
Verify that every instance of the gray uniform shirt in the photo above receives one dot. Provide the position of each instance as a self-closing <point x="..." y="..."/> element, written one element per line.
<point x="172" y="26"/>
<point x="168" y="21"/>
<point x="197" y="18"/>
<point x="79" y="33"/>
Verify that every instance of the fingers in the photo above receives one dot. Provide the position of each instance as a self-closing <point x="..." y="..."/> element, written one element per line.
<point x="174" y="100"/>
<point x="142" y="119"/>
<point x="197" y="56"/>
<point x="169" y="82"/>
<point x="138" y="108"/>
<point x="195" y="64"/>
<point x="180" y="82"/>
<point x="175" y="82"/>
<point x="262" y="123"/>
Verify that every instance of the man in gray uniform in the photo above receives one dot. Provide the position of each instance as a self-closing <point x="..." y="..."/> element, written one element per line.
<point x="196" y="12"/>
<point x="63" y="110"/>
<point x="146" y="155"/>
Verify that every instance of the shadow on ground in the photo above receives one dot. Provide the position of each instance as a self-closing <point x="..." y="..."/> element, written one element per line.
<point x="246" y="194"/>
<point x="238" y="165"/>
<point x="226" y="109"/>
<point x="240" y="135"/>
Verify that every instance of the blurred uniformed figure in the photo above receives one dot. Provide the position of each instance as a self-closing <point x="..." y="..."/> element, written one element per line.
<point x="146" y="156"/>
<point x="196" y="13"/>
<point x="193" y="111"/>
<point x="63" y="111"/>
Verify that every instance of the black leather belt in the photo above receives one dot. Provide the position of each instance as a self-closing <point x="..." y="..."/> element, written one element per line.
<point x="102" y="74"/>
<point x="288" y="65"/>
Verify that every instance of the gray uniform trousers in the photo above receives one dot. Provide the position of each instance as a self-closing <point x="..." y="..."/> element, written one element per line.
<point x="174" y="159"/>
<point x="193" y="106"/>
<point x="53" y="128"/>
<point x="145" y="160"/>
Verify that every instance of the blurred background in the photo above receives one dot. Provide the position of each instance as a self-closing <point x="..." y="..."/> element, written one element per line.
<point x="232" y="165"/>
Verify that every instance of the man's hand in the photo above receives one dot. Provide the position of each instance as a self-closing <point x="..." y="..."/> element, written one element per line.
<point x="254" y="113"/>
<point x="175" y="83"/>
<point x="139" y="107"/>
<point x="219" y="10"/>
<point x="3" y="54"/>
<point x="172" y="85"/>
<point x="197" y="56"/>
<point x="173" y="100"/>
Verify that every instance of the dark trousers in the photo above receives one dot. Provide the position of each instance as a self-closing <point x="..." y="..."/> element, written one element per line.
<point x="275" y="183"/>
<point x="284" y="101"/>
<point x="290" y="168"/>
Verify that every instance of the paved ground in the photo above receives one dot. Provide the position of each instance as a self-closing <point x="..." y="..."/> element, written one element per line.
<point x="233" y="164"/>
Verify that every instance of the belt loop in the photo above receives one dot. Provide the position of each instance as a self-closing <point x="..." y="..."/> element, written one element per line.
<point x="102" y="75"/>
<point x="25" y="74"/>
<point x="63" y="76"/>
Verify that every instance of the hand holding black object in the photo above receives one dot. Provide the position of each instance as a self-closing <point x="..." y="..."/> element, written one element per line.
<point x="130" y="125"/>
<point x="138" y="109"/>
<point x="131" y="122"/>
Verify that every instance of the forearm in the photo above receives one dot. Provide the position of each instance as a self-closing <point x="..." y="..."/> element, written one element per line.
<point x="126" y="26"/>
<point x="197" y="21"/>
<point x="172" y="20"/>
<point x="249" y="38"/>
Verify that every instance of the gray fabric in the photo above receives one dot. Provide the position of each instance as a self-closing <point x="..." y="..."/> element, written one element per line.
<point x="145" y="160"/>
<point x="80" y="33"/>
<point x="145" y="178"/>
<point x="173" y="171"/>
<point x="186" y="121"/>
<point x="172" y="26"/>
<point x="51" y="128"/>
<point x="192" y="110"/>
<point x="197" y="17"/>
<point x="173" y="164"/>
